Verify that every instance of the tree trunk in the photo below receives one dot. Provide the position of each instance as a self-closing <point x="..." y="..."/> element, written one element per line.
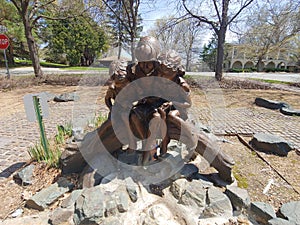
<point x="221" y="40"/>
<point x="32" y="49"/>
<point x="133" y="50"/>
<point x="220" y="55"/>
<point x="188" y="59"/>
<point x="260" y="65"/>
<point x="119" y="49"/>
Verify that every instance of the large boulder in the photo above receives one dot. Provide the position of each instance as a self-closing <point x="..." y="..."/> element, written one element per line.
<point x="269" y="143"/>
<point x="262" y="212"/>
<point x="47" y="196"/>
<point x="239" y="197"/>
<point x="71" y="159"/>
<point x="26" y="175"/>
<point x="219" y="204"/>
<point x="270" y="104"/>
<point x="291" y="211"/>
<point x="289" y="111"/>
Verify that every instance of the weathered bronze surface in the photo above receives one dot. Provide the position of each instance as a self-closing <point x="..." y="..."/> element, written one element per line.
<point x="151" y="112"/>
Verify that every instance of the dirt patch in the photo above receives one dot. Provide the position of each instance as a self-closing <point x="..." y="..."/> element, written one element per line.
<point x="254" y="173"/>
<point x="250" y="171"/>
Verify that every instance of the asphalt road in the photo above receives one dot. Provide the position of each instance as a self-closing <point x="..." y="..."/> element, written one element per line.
<point x="286" y="77"/>
<point x="28" y="71"/>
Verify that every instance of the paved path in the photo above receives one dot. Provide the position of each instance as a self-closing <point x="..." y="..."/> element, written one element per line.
<point x="17" y="134"/>
<point x="285" y="77"/>
<point x="28" y="71"/>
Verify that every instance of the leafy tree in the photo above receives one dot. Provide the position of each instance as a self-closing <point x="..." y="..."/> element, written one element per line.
<point x="78" y="39"/>
<point x="10" y="19"/>
<point x="34" y="12"/>
<point x="209" y="53"/>
<point x="31" y="11"/>
<point x="218" y="14"/>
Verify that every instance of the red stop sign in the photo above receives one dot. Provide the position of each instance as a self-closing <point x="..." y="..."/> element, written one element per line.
<point x="4" y="42"/>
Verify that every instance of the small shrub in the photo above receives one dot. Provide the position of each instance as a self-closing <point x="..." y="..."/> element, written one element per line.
<point x="37" y="153"/>
<point x="99" y="120"/>
<point x="63" y="132"/>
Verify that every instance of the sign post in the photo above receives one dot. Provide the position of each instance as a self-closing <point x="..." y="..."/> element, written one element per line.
<point x="4" y="43"/>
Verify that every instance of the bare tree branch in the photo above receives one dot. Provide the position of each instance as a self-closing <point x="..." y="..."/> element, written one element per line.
<point x="201" y="18"/>
<point x="240" y="10"/>
<point x="217" y="10"/>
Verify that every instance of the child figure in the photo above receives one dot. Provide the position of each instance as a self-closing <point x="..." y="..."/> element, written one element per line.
<point x="172" y="69"/>
<point x="117" y="72"/>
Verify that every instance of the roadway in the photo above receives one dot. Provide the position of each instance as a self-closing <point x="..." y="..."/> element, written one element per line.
<point x="285" y="77"/>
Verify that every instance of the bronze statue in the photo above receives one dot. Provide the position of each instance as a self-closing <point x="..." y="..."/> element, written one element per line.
<point x="151" y="112"/>
<point x="170" y="67"/>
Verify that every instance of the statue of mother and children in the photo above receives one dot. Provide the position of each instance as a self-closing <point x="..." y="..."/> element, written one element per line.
<point x="148" y="102"/>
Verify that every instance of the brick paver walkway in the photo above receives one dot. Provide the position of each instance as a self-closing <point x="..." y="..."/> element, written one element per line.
<point x="250" y="121"/>
<point x="17" y="134"/>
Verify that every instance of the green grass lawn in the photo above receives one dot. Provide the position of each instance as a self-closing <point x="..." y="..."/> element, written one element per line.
<point x="271" y="81"/>
<point x="20" y="63"/>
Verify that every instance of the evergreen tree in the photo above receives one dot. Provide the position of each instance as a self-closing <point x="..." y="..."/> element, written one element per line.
<point x="75" y="40"/>
<point x="209" y="53"/>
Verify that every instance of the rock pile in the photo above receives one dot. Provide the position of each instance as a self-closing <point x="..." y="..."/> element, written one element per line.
<point x="186" y="198"/>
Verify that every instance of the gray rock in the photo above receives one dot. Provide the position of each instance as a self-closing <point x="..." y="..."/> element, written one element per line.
<point x="62" y="216"/>
<point x="239" y="197"/>
<point x="72" y="160"/>
<point x="89" y="177"/>
<point x="122" y="200"/>
<point x="66" y="97"/>
<point x="26" y="174"/>
<point x="290" y="112"/>
<point x="262" y="212"/>
<point x="188" y="171"/>
<point x="279" y="221"/>
<point x="206" y="183"/>
<point x="111" y="208"/>
<point x="291" y="211"/>
<point x="131" y="188"/>
<point x="271" y="144"/>
<point x="218" y="204"/>
<point x="49" y="96"/>
<point x="71" y="199"/>
<point x="111" y="221"/>
<point x="78" y="133"/>
<point x="270" y="104"/>
<point x="178" y="187"/>
<point x="47" y="196"/>
<point x="160" y="214"/>
<point x="77" y="130"/>
<point x="194" y="195"/>
<point x="89" y="207"/>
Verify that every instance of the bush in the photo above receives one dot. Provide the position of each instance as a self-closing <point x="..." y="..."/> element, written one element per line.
<point x="241" y="70"/>
<point x="273" y="70"/>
